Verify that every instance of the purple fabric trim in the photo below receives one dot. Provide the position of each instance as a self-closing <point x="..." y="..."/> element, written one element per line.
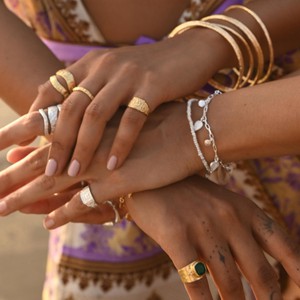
<point x="85" y="255"/>
<point x="68" y="52"/>
<point x="226" y="4"/>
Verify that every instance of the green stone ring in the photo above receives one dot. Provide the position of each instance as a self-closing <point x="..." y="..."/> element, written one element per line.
<point x="192" y="272"/>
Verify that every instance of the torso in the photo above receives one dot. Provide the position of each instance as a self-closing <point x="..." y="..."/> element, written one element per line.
<point x="123" y="24"/>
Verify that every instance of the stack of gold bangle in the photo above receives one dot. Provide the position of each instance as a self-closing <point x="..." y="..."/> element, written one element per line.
<point x="237" y="31"/>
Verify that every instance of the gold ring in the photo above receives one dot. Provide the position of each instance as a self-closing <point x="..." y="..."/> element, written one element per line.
<point x="192" y="272"/>
<point x="84" y="90"/>
<point x="140" y="105"/>
<point x="59" y="87"/>
<point x="68" y="77"/>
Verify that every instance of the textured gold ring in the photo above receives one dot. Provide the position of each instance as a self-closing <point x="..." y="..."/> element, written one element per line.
<point x="192" y="272"/>
<point x="59" y="87"/>
<point x="84" y="90"/>
<point x="68" y="77"/>
<point x="140" y="105"/>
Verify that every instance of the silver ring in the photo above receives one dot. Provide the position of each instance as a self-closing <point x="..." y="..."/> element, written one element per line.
<point x="46" y="121"/>
<point x="52" y="112"/>
<point x="87" y="198"/>
<point x="117" y="215"/>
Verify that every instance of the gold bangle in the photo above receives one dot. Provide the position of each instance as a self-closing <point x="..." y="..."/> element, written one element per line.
<point x="246" y="78"/>
<point x="250" y="36"/>
<point x="59" y="87"/>
<point x="267" y="35"/>
<point x="68" y="77"/>
<point x="191" y="24"/>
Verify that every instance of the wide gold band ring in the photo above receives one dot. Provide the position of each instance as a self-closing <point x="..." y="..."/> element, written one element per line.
<point x="192" y="272"/>
<point x="59" y="87"/>
<point x="84" y="90"/>
<point x="68" y="77"/>
<point x="140" y="105"/>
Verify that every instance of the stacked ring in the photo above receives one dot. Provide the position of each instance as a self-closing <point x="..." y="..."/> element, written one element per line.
<point x="140" y="105"/>
<point x="192" y="272"/>
<point x="84" y="90"/>
<point x="68" y="77"/>
<point x="59" y="87"/>
<point x="50" y="116"/>
<point x="87" y="197"/>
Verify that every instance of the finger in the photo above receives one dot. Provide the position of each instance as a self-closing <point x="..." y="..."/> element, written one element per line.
<point x="222" y="267"/>
<point x="45" y="206"/>
<point x="37" y="189"/>
<point x="278" y="244"/>
<point x="23" y="171"/>
<point x="47" y="96"/>
<point x="130" y="126"/>
<point x="96" y="116"/>
<point x="74" y="210"/>
<point x="67" y="128"/>
<point x="182" y="254"/>
<point x="19" y="153"/>
<point x="255" y="267"/>
<point x="21" y="130"/>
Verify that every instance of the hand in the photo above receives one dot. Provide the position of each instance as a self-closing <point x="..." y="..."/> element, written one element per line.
<point x="164" y="153"/>
<point x="158" y="73"/>
<point x="197" y="219"/>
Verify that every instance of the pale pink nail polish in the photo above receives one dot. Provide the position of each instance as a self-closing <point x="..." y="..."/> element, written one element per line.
<point x="51" y="167"/>
<point x="49" y="223"/>
<point x="74" y="168"/>
<point x="112" y="163"/>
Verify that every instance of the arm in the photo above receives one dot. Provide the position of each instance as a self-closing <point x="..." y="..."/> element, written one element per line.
<point x="25" y="62"/>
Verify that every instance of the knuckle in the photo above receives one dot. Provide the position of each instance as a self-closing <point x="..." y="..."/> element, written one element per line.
<point x="6" y="179"/>
<point x="57" y="147"/>
<point x="47" y="183"/>
<point x="31" y="121"/>
<point x="96" y="111"/>
<point x="68" y="108"/>
<point x="36" y="163"/>
<point x="266" y="275"/>
<point x="226" y="212"/>
<point x="44" y="89"/>
<point x="109" y="58"/>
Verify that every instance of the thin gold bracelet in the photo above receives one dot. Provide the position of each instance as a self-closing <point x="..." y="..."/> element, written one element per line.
<point x="267" y="35"/>
<point x="246" y="78"/>
<point x="250" y="36"/>
<point x="192" y="24"/>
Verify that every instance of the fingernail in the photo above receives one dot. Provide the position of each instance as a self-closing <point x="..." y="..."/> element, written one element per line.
<point x="51" y="167"/>
<point x="112" y="163"/>
<point x="3" y="207"/>
<point x="74" y="168"/>
<point x="49" y="223"/>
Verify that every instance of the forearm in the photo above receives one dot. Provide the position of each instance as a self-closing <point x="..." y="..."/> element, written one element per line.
<point x="25" y="62"/>
<point x="257" y="121"/>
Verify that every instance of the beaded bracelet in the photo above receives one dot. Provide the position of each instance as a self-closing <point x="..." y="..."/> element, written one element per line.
<point x="203" y="123"/>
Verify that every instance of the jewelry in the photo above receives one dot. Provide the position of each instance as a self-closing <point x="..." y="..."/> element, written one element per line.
<point x="140" y="105"/>
<point x="87" y="197"/>
<point x="85" y="91"/>
<point x="192" y="272"/>
<point x="59" y="87"/>
<point x="52" y="112"/>
<point x="248" y="33"/>
<point x="122" y="206"/>
<point x="46" y="121"/>
<point x="117" y="215"/>
<point x="191" y="24"/>
<point x="68" y="77"/>
<point x="267" y="35"/>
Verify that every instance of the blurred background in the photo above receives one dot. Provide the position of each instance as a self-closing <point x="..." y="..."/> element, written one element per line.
<point x="23" y="245"/>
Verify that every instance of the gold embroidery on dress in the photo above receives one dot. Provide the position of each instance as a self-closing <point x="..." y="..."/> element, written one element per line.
<point x="105" y="275"/>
